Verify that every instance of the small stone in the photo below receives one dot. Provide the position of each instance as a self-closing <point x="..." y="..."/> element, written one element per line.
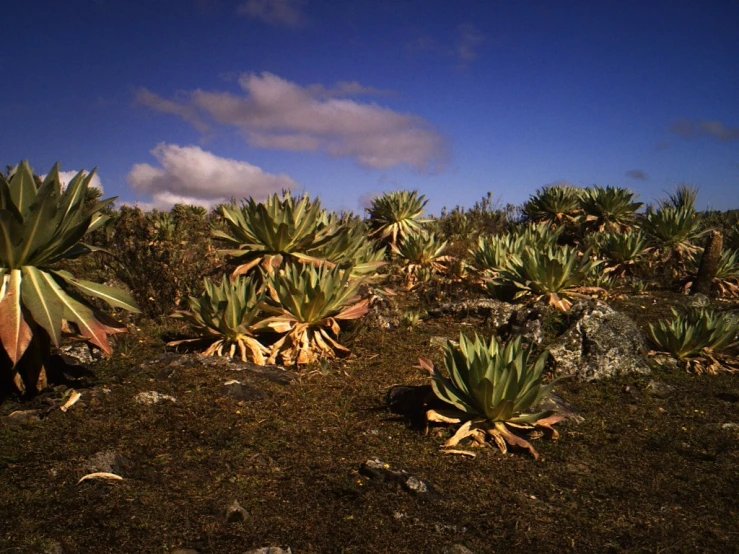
<point x="270" y="550"/>
<point x="106" y="461"/>
<point x="152" y="397"/>
<point x="22" y="417"/>
<point x="236" y="513"/>
<point x="241" y="391"/>
<point x="659" y="389"/>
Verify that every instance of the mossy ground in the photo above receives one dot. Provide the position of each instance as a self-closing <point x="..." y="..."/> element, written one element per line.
<point x="639" y="474"/>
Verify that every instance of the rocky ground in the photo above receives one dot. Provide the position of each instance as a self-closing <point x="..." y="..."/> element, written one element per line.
<point x="209" y="456"/>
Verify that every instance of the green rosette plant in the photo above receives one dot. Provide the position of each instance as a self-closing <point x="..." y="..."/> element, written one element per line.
<point x="492" y="389"/>
<point x="307" y="305"/>
<point x="700" y="338"/>
<point x="227" y="318"/>
<point x="41" y="225"/>
<point x="395" y="216"/>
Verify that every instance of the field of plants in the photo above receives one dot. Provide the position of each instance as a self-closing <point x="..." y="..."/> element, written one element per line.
<point x="275" y="374"/>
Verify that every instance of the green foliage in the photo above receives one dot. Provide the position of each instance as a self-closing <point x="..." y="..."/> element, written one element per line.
<point x="422" y="251"/>
<point x="554" y="274"/>
<point x="227" y="317"/>
<point x="280" y="229"/>
<point x="291" y="229"/>
<point x="608" y="208"/>
<point x="161" y="257"/>
<point x="308" y="303"/>
<point x="697" y="337"/>
<point x="685" y="196"/>
<point x="673" y="230"/>
<point x="726" y="280"/>
<point x="490" y="385"/>
<point x="624" y="251"/>
<point x="395" y="216"/>
<point x="39" y="227"/>
<point x="484" y="218"/>
<point x="555" y="204"/>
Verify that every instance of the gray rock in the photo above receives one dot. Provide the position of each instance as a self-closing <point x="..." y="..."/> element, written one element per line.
<point x="601" y="343"/>
<point x="659" y="389"/>
<point x="236" y="513"/>
<point x="107" y="461"/>
<point x="152" y="397"/>
<point x="381" y="472"/>
<point x="80" y="354"/>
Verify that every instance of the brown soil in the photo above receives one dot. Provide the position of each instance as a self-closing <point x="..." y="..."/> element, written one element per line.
<point x="641" y="473"/>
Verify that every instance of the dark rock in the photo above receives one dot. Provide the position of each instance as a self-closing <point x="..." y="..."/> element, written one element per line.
<point x="601" y="343"/>
<point x="236" y="513"/>
<point x="409" y="400"/>
<point x="381" y="472"/>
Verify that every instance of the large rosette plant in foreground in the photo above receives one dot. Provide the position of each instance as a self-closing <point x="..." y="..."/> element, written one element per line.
<point x="39" y="226"/>
<point x="490" y="390"/>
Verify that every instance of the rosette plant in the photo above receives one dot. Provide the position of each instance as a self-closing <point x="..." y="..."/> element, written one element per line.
<point x="41" y="225"/>
<point x="554" y="204"/>
<point x="492" y="390"/>
<point x="308" y="304"/>
<point x="227" y="317"/>
<point x="395" y="216"/>
<point x="608" y="208"/>
<point x="700" y="338"/>
<point x="422" y="251"/>
<point x="280" y="229"/>
<point x="555" y="275"/>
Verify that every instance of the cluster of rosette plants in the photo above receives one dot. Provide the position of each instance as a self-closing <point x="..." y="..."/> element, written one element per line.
<point x="299" y="272"/>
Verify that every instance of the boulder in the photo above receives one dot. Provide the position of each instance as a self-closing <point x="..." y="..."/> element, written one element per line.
<point x="601" y="343"/>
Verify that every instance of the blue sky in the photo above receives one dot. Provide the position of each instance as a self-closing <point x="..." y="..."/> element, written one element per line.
<point x="200" y="100"/>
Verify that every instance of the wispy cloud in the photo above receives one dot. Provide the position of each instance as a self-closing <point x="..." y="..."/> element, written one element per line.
<point x="637" y="174"/>
<point x="470" y="38"/>
<point x="155" y="102"/>
<point x="192" y="175"/>
<point x="690" y="128"/>
<point x="464" y="48"/>
<point x="276" y="113"/>
<point x="280" y="13"/>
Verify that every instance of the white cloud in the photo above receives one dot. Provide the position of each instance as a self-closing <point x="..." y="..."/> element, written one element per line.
<point x="189" y="174"/>
<point x="66" y="176"/>
<point x="281" y="13"/>
<point x="276" y="113"/>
